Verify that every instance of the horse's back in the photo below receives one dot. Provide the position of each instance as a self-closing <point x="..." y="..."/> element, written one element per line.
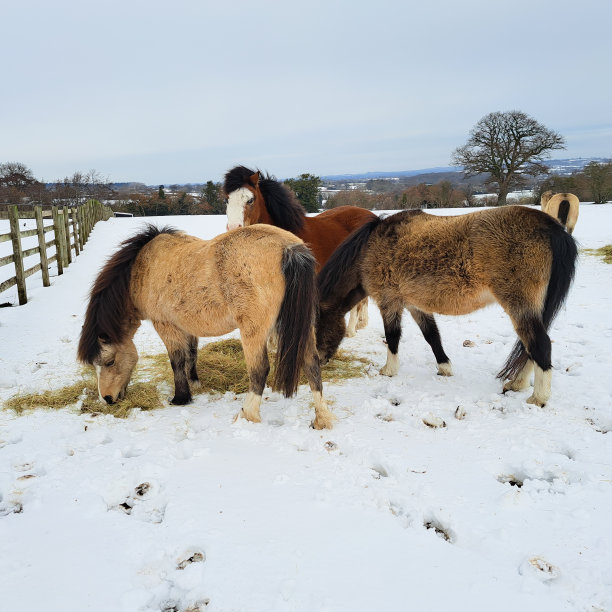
<point x="455" y="264"/>
<point x="325" y="231"/>
<point x="209" y="287"/>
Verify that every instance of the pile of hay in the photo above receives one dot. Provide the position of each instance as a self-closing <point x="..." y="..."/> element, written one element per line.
<point x="605" y="252"/>
<point x="221" y="368"/>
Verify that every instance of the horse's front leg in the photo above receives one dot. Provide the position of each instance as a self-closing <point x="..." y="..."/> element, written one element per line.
<point x="392" y="320"/>
<point x="429" y="329"/>
<point x="178" y="346"/>
<point x="191" y="365"/>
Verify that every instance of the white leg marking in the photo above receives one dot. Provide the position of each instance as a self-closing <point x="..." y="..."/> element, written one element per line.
<point x="391" y="368"/>
<point x="445" y="369"/>
<point x="250" y="410"/>
<point x="541" y="387"/>
<point x="352" y="323"/>
<point x="363" y="315"/>
<point x="324" y="419"/>
<point x="521" y="380"/>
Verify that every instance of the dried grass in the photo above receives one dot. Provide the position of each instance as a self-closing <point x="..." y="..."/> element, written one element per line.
<point x="221" y="368"/>
<point x="605" y="252"/>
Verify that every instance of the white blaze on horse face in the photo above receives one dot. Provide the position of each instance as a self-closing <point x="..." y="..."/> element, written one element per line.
<point x="236" y="203"/>
<point x="98" y="370"/>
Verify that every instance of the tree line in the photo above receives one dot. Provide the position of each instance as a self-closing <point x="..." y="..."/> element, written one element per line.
<point x="508" y="149"/>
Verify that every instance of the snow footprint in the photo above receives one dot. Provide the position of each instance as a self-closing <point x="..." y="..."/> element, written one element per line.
<point x="144" y="503"/>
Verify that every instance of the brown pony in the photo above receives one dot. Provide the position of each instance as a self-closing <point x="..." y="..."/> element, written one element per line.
<point x="252" y="198"/>
<point x="190" y="288"/>
<point x="561" y="206"/>
<point x="517" y="256"/>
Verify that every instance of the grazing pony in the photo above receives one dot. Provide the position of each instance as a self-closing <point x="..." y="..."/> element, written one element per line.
<point x="255" y="279"/>
<point x="561" y="206"/>
<point x="517" y="256"/>
<point x="252" y="198"/>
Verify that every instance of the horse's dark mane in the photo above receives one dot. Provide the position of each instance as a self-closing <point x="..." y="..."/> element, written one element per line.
<point x="236" y="178"/>
<point x="284" y="208"/>
<point x="110" y="305"/>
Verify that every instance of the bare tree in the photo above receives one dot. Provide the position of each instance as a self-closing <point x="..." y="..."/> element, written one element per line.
<point x="508" y="147"/>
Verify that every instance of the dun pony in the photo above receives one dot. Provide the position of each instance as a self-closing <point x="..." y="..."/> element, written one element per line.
<point x="561" y="206"/>
<point x="254" y="279"/>
<point x="254" y="198"/>
<point x="517" y="256"/>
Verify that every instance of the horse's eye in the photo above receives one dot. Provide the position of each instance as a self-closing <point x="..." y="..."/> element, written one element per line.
<point x="250" y="201"/>
<point x="110" y="363"/>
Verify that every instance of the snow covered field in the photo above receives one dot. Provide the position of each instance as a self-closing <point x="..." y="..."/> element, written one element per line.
<point x="505" y="509"/>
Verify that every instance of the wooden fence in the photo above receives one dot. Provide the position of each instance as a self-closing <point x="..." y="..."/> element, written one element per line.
<point x="71" y="227"/>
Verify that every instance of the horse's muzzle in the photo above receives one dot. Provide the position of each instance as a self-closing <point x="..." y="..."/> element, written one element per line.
<point x="109" y="399"/>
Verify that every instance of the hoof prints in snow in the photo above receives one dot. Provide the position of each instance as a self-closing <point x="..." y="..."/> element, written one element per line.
<point x="440" y="530"/>
<point x="150" y="510"/>
<point x="10" y="508"/>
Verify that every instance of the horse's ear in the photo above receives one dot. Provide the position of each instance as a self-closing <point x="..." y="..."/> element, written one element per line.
<point x="254" y="179"/>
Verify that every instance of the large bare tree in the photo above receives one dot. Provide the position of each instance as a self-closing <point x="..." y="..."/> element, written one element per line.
<point x="508" y="147"/>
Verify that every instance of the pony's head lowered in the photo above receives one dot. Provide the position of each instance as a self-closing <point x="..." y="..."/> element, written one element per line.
<point x="111" y="319"/>
<point x="255" y="198"/>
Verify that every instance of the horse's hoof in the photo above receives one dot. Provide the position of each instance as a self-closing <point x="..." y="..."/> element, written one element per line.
<point x="322" y="423"/>
<point x="536" y="401"/>
<point x="253" y="418"/>
<point x="180" y="401"/>
<point x="445" y="369"/>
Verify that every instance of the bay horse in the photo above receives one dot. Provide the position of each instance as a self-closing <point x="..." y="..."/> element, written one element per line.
<point x="254" y="198"/>
<point x="189" y="288"/>
<point x="561" y="206"/>
<point x="516" y="256"/>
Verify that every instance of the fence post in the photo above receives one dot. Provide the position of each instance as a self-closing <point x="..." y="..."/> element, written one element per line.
<point x="58" y="240"/>
<point x="75" y="234"/>
<point x="18" y="254"/>
<point x="44" y="264"/>
<point x="79" y="216"/>
<point x="67" y="235"/>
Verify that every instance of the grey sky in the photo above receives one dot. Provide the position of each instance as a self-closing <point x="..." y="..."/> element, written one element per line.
<point x="173" y="92"/>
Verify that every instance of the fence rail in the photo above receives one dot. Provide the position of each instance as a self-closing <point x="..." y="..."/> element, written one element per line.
<point x="71" y="228"/>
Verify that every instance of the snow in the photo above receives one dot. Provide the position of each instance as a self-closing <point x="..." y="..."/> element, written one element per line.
<point x="276" y="516"/>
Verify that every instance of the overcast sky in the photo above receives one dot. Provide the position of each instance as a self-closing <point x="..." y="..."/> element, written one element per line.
<point x="181" y="91"/>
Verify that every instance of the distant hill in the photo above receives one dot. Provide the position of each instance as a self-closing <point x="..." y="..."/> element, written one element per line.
<point x="557" y="166"/>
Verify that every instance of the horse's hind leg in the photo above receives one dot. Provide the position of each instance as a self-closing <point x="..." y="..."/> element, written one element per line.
<point x="392" y="321"/>
<point x="521" y="380"/>
<point x="258" y="367"/>
<point x="178" y="346"/>
<point x="535" y="339"/>
<point x="429" y="329"/>
<point x="324" y="419"/>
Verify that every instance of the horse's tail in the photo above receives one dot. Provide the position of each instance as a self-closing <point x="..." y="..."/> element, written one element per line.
<point x="563" y="212"/>
<point x="297" y="317"/>
<point x="110" y="304"/>
<point x="341" y="274"/>
<point x="564" y="254"/>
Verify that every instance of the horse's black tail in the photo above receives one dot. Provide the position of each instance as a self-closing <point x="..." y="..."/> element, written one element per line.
<point x="564" y="254"/>
<point x="297" y="316"/>
<point x="110" y="304"/>
<point x="563" y="212"/>
<point x="340" y="277"/>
